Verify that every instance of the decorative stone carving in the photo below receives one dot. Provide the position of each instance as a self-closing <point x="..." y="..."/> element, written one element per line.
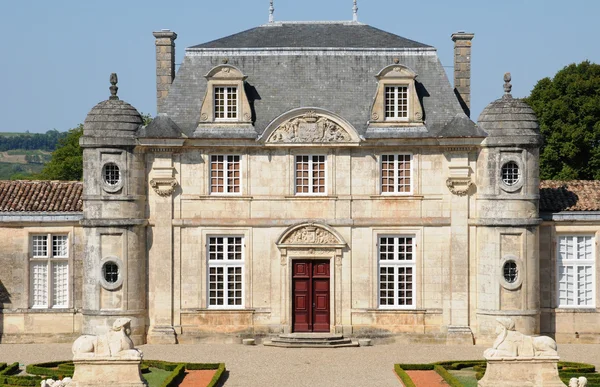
<point x="511" y="343"/>
<point x="309" y="128"/>
<point x="311" y="235"/>
<point x="578" y="382"/>
<point x="163" y="186"/>
<point x="520" y="360"/>
<point x="114" y="344"/>
<point x="459" y="185"/>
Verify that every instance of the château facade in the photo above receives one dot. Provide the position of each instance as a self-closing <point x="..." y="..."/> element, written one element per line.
<point x="304" y="177"/>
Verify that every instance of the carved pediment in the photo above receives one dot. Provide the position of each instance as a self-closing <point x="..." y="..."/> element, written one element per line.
<point x="310" y="128"/>
<point x="311" y="235"/>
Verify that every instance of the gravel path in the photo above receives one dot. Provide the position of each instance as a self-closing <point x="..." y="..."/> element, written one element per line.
<point x="250" y="366"/>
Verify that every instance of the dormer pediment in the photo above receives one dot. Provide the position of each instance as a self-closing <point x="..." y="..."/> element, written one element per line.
<point x="309" y="126"/>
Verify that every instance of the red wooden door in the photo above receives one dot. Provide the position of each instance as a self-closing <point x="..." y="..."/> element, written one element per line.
<point x="310" y="286"/>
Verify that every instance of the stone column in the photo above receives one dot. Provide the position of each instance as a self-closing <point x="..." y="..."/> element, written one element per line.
<point x="462" y="69"/>
<point x="160" y="256"/>
<point x="165" y="65"/>
<point x="459" y="183"/>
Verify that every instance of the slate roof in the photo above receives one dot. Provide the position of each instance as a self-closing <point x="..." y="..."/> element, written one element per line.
<point x="313" y="34"/>
<point x="576" y="195"/>
<point x="41" y="196"/>
<point x="341" y="80"/>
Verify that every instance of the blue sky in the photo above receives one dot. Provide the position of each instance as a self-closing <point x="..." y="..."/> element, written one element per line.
<point x="57" y="55"/>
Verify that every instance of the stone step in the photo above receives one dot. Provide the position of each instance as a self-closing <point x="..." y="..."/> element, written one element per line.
<point x="304" y="345"/>
<point x="310" y="342"/>
<point x="311" y="336"/>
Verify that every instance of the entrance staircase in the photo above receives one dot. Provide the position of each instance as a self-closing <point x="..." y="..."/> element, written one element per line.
<point x="310" y="340"/>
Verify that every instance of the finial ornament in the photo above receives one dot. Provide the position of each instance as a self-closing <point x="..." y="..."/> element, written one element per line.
<point x="113" y="86"/>
<point x="507" y="85"/>
<point x="271" y="11"/>
<point x="355" y="12"/>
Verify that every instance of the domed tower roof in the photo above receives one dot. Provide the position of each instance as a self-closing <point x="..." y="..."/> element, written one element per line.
<point x="509" y="121"/>
<point x="113" y="117"/>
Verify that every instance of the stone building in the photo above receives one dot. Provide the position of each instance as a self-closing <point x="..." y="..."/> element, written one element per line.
<point x="304" y="177"/>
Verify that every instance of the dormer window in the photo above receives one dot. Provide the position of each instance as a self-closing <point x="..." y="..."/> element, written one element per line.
<point x="225" y="101"/>
<point x="396" y="101"/>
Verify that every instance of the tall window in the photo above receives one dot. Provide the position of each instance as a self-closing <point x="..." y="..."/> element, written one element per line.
<point x="49" y="268"/>
<point x="225" y="272"/>
<point x="396" y="102"/>
<point x="396" y="272"/>
<point x="396" y="174"/>
<point x="310" y="174"/>
<point x="576" y="264"/>
<point x="225" y="174"/>
<point x="226" y="103"/>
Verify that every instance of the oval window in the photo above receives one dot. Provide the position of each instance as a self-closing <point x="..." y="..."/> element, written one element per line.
<point x="510" y="173"/>
<point x="511" y="272"/>
<point x="110" y="272"/>
<point x="111" y="174"/>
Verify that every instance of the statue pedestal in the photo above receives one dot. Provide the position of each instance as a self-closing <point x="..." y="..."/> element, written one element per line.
<point x="539" y="371"/>
<point x="107" y="371"/>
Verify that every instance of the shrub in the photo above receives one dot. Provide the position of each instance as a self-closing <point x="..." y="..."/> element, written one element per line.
<point x="449" y="378"/>
<point x="406" y="380"/>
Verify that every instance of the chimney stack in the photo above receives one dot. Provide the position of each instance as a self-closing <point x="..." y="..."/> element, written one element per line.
<point x="165" y="65"/>
<point x="462" y="69"/>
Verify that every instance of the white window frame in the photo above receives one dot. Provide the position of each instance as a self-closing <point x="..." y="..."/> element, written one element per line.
<point x="311" y="163"/>
<point x="49" y="260"/>
<point x="396" y="174"/>
<point x="576" y="263"/>
<point x="395" y="102"/>
<point x="396" y="264"/>
<point x="226" y="178"/>
<point x="225" y="264"/>
<point x="226" y="92"/>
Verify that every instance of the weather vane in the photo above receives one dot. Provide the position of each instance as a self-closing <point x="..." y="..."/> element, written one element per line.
<point x="271" y="10"/>
<point x="355" y="12"/>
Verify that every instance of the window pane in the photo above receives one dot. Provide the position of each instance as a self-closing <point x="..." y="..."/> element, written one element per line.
<point x="40" y="246"/>
<point x="60" y="284"/>
<point x="225" y="280"/>
<point x="59" y="246"/>
<point x="39" y="284"/>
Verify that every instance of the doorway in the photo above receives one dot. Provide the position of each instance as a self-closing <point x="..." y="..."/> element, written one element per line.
<point x="310" y="296"/>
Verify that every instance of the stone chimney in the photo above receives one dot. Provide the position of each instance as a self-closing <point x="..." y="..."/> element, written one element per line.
<point x="462" y="69"/>
<point x="165" y="65"/>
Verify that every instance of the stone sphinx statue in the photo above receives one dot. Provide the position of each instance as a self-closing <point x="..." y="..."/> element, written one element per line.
<point x="511" y="343"/>
<point x="578" y="382"/>
<point x="114" y="344"/>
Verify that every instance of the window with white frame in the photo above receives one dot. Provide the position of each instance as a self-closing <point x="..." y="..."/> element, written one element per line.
<point x="396" y="102"/>
<point x="310" y="174"/>
<point x="576" y="265"/>
<point x="396" y="174"/>
<point x="396" y="255"/>
<point x="225" y="174"/>
<point x="226" y="103"/>
<point x="225" y="271"/>
<point x="49" y="271"/>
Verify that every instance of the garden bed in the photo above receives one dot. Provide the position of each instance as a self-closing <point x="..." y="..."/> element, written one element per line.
<point x="467" y="373"/>
<point x="156" y="372"/>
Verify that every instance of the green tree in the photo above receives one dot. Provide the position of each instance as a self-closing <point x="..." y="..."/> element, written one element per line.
<point x="568" y="108"/>
<point x="67" y="160"/>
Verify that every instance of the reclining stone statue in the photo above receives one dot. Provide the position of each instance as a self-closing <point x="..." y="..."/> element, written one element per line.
<point x="114" y="344"/>
<point x="511" y="343"/>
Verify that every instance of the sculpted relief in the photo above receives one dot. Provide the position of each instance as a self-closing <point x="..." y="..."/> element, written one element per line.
<point x="309" y="128"/>
<point x="311" y="235"/>
<point x="511" y="344"/>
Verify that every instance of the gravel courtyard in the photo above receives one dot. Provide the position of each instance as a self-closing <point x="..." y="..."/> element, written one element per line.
<point x="269" y="366"/>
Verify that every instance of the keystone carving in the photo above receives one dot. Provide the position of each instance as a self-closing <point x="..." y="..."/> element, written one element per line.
<point x="309" y="128"/>
<point x="163" y="186"/>
<point x="311" y="235"/>
<point x="459" y="185"/>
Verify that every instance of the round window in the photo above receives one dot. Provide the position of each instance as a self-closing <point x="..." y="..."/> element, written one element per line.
<point x="511" y="272"/>
<point x="510" y="173"/>
<point x="110" y="272"/>
<point x="111" y="174"/>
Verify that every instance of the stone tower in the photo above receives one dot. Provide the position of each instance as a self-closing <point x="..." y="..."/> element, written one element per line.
<point x="507" y="216"/>
<point x="114" y="219"/>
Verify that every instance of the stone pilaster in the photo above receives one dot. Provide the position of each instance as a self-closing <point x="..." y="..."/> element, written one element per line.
<point x="165" y="65"/>
<point x="462" y="69"/>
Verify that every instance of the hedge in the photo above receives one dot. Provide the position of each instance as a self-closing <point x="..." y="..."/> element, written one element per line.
<point x="217" y="375"/>
<point x="406" y="380"/>
<point x="175" y="377"/>
<point x="447" y="376"/>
